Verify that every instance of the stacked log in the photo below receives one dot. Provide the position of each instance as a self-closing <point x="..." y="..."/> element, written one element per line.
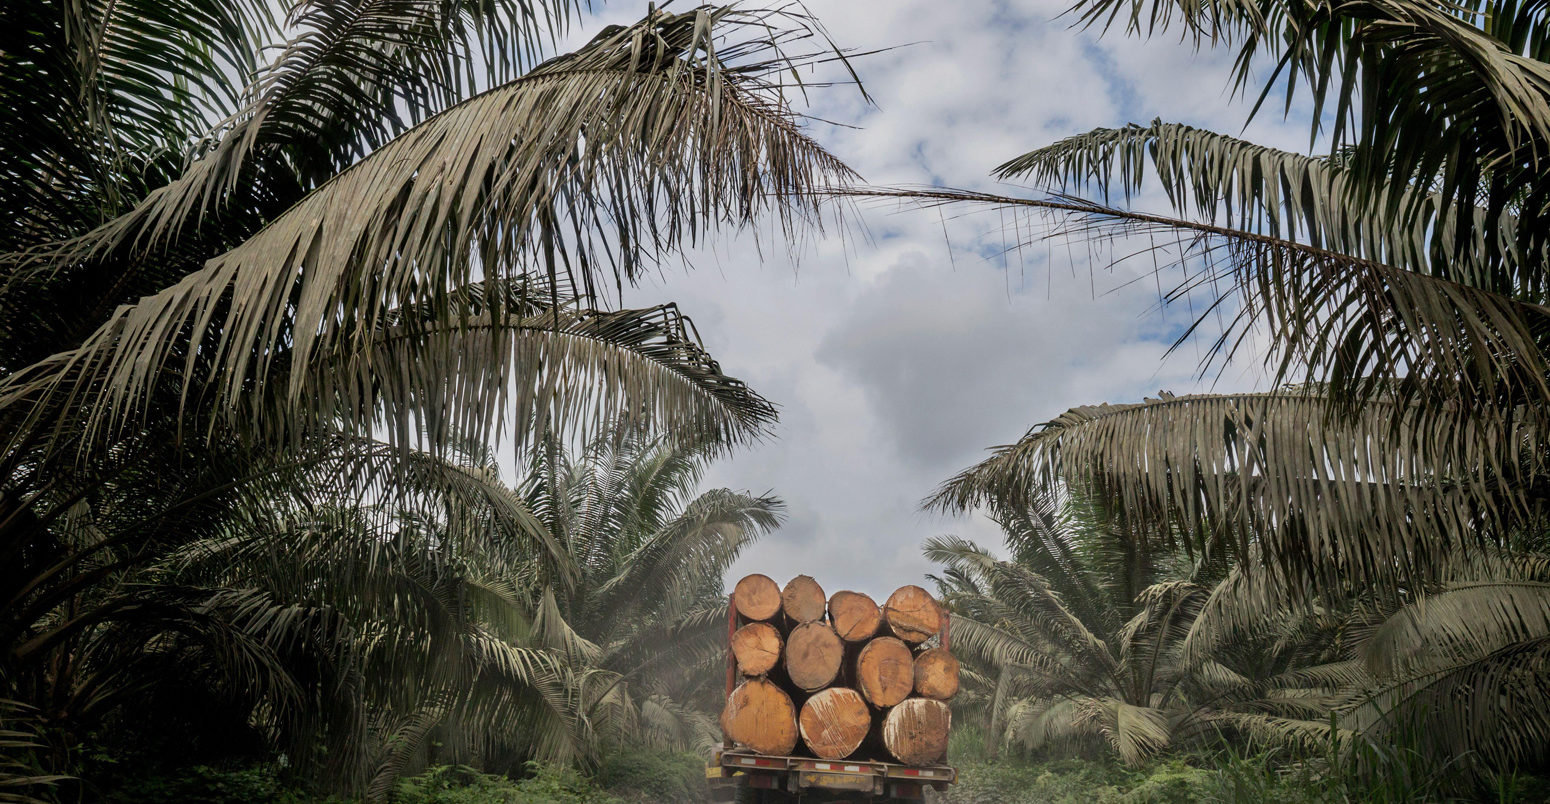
<point x="838" y="677"/>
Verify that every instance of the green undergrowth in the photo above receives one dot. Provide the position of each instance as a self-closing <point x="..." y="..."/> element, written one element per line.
<point x="1226" y="775"/>
<point x="624" y="777"/>
<point x="1256" y="779"/>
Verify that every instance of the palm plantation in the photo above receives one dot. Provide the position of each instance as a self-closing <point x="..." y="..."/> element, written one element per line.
<point x="1395" y="478"/>
<point x="259" y="303"/>
<point x="287" y="286"/>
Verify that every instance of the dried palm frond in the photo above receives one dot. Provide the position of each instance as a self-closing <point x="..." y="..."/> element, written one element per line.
<point x="1336" y="499"/>
<point x="1368" y="331"/>
<point x="1454" y="96"/>
<point x="1218" y="178"/>
<point x="590" y="163"/>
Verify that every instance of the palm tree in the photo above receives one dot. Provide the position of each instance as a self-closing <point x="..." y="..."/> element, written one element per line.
<point x="1091" y="638"/>
<point x="1400" y="276"/>
<point x="637" y="596"/>
<point x="233" y="283"/>
<point x="426" y="626"/>
<point x="1421" y="640"/>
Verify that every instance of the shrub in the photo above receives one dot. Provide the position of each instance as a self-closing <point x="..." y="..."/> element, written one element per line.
<point x="548" y="784"/>
<point x="203" y="784"/>
<point x="654" y="776"/>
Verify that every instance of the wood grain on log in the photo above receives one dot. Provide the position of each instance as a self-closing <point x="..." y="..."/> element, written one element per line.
<point x="834" y="722"/>
<point x="855" y="616"/>
<point x="915" y="731"/>
<point x="936" y="674"/>
<point x="885" y="671"/>
<point x="757" y="597"/>
<point x="814" y="654"/>
<point x="802" y="599"/>
<point x="756" y="647"/>
<point x="912" y="614"/>
<point x="760" y="715"/>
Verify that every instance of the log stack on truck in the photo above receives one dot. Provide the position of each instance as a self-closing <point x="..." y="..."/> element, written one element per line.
<point x="836" y="695"/>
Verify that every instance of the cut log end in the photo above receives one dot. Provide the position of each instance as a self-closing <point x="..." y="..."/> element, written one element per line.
<point x="757" y="597"/>
<point x="912" y="614"/>
<point x="814" y="654"/>
<point x="802" y="599"/>
<point x="760" y="715"/>
<point x="855" y="616"/>
<point x="885" y="671"/>
<point x="834" y="722"/>
<point x="915" y="731"/>
<point x="756" y="647"/>
<point x="936" y="674"/>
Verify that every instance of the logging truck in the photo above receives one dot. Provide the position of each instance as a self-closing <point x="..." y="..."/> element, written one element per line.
<point x="833" y="699"/>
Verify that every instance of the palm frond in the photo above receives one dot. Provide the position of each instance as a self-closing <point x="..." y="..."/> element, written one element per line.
<point x="331" y="95"/>
<point x="1303" y="736"/>
<point x="1311" y="489"/>
<point x="660" y="575"/>
<point x="1367" y="330"/>
<point x="1029" y="601"/>
<point x="1135" y="732"/>
<point x="1285" y="195"/>
<point x="644" y="138"/>
<point x="21" y="781"/>
<point x="1463" y="619"/>
<point x="1487" y="708"/>
<point x="1456" y="95"/>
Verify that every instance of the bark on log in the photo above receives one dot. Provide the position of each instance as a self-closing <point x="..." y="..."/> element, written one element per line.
<point x="915" y="732"/>
<point x="756" y="647"/>
<point x="802" y="599"/>
<point x="885" y="671"/>
<point x="855" y="616"/>
<point x="814" y="654"/>
<point x="757" y="597"/>
<point x="834" y="722"/>
<point x="912" y="614"/>
<point x="936" y="674"/>
<point x="760" y="715"/>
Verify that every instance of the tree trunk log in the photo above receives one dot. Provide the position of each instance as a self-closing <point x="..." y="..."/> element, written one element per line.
<point x="756" y="647"/>
<point x="760" y="715"/>
<point x="813" y="655"/>
<point x="885" y="671"/>
<point x="915" y="732"/>
<point x="936" y="674"/>
<point x="802" y="600"/>
<point x="855" y="616"/>
<point x="912" y="614"/>
<point x="834" y="722"/>
<point x="757" y="597"/>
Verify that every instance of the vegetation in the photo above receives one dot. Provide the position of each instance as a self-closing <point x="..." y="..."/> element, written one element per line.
<point x="271" y="286"/>
<point x="274" y="285"/>
<point x="1388" y="506"/>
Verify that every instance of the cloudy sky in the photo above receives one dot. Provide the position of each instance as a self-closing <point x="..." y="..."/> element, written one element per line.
<point x="898" y="358"/>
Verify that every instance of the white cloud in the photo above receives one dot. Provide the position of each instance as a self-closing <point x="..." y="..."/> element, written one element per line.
<point x="898" y="366"/>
